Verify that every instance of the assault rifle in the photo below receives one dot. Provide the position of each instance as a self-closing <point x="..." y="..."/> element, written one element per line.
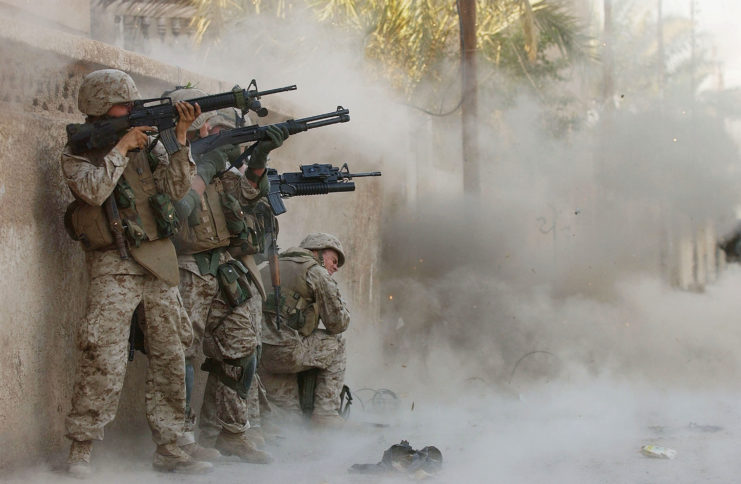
<point x="257" y="133"/>
<point x="161" y="113"/>
<point x="316" y="179"/>
<point x="271" y="253"/>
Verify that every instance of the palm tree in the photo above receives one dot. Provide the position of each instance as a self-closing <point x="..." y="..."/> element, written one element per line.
<point x="416" y="40"/>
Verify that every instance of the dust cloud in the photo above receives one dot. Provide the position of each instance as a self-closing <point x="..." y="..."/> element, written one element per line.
<point x="529" y="333"/>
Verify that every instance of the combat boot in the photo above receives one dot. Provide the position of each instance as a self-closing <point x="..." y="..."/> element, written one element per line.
<point x="171" y="458"/>
<point x="78" y="462"/>
<point x="199" y="452"/>
<point x="239" y="445"/>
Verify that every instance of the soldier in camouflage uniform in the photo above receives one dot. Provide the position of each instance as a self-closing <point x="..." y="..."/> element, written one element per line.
<point x="308" y="295"/>
<point x="143" y="184"/>
<point x="220" y="295"/>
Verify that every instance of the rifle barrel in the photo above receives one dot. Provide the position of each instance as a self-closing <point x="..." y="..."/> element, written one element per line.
<point x="357" y="175"/>
<point x="257" y="94"/>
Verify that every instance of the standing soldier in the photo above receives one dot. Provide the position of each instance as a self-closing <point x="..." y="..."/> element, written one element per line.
<point x="220" y="296"/>
<point x="130" y="259"/>
<point x="299" y="353"/>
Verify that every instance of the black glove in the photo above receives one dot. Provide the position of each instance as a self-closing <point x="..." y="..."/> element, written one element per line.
<point x="276" y="136"/>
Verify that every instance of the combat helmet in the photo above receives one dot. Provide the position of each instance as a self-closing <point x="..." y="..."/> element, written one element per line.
<point x="100" y="90"/>
<point x="321" y="241"/>
<point x="227" y="117"/>
<point x="186" y="93"/>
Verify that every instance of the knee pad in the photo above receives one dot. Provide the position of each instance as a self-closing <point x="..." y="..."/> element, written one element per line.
<point x="241" y="385"/>
<point x="306" y="386"/>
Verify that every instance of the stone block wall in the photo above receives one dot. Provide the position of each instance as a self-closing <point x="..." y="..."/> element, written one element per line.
<point x="43" y="286"/>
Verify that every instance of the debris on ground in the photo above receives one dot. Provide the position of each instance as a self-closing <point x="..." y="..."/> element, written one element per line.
<point x="705" y="428"/>
<point x="401" y="457"/>
<point x="658" y="452"/>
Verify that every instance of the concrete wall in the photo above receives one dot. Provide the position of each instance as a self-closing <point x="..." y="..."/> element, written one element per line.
<point x="43" y="285"/>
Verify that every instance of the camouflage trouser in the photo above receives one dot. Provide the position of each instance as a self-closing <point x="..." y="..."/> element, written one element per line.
<point x="227" y="333"/>
<point x="280" y="365"/>
<point x="103" y="341"/>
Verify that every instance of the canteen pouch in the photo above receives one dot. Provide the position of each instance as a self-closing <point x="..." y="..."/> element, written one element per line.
<point x="88" y="224"/>
<point x="233" y="282"/>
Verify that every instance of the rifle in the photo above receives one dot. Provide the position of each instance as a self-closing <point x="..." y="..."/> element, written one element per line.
<point x="257" y="133"/>
<point x="316" y="179"/>
<point x="116" y="226"/>
<point x="161" y="112"/>
<point x="271" y="253"/>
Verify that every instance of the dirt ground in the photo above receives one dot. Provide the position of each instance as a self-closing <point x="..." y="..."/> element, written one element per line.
<point x="591" y="434"/>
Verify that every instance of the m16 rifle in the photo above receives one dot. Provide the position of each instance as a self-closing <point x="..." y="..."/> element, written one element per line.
<point x="316" y="179"/>
<point x="257" y="133"/>
<point x="161" y="113"/>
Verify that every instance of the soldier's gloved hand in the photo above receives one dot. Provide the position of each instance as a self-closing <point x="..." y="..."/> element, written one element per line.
<point x="276" y="137"/>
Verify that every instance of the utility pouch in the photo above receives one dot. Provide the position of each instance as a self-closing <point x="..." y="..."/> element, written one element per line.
<point x="167" y="219"/>
<point x="234" y="283"/>
<point x="124" y="194"/>
<point x="88" y="224"/>
<point x="208" y="262"/>
<point x="292" y="310"/>
<point x="134" y="233"/>
<point x="310" y="320"/>
<point x="249" y="242"/>
<point x="234" y="216"/>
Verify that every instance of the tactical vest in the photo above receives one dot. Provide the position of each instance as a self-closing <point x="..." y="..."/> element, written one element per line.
<point x="207" y="228"/>
<point x="148" y="216"/>
<point x="250" y="240"/>
<point x="297" y="306"/>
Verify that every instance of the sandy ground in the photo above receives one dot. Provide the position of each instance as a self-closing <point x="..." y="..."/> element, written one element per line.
<point x="586" y="434"/>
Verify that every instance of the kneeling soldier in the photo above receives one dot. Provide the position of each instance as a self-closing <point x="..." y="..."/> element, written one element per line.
<point x="299" y="354"/>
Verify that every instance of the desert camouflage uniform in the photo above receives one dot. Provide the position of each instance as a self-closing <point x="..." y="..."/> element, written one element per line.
<point x="250" y="197"/>
<point x="116" y="288"/>
<point x="286" y="352"/>
<point x="220" y="331"/>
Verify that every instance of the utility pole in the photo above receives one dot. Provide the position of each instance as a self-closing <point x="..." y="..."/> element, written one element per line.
<point x="469" y="106"/>
<point x="608" y="82"/>
<point x="660" y="61"/>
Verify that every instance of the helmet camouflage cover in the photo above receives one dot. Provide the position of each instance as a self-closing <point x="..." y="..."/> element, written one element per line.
<point x="100" y="90"/>
<point x="321" y="241"/>
<point x="181" y="93"/>
<point x="227" y="117"/>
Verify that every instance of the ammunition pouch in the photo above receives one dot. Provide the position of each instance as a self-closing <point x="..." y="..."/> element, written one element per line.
<point x="208" y="262"/>
<point x="134" y="232"/>
<point x="165" y="215"/>
<point x="241" y="385"/>
<point x="295" y="311"/>
<point x="89" y="225"/>
<point x="125" y="197"/>
<point x="234" y="282"/>
<point x="234" y="216"/>
<point x="306" y="386"/>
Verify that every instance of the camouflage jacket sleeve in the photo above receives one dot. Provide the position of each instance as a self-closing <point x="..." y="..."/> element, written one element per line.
<point x="211" y="163"/>
<point x="215" y="161"/>
<point x="90" y="183"/>
<point x="174" y="172"/>
<point x="332" y="308"/>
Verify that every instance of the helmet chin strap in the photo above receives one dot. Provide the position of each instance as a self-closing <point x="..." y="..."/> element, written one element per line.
<point x="320" y="257"/>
